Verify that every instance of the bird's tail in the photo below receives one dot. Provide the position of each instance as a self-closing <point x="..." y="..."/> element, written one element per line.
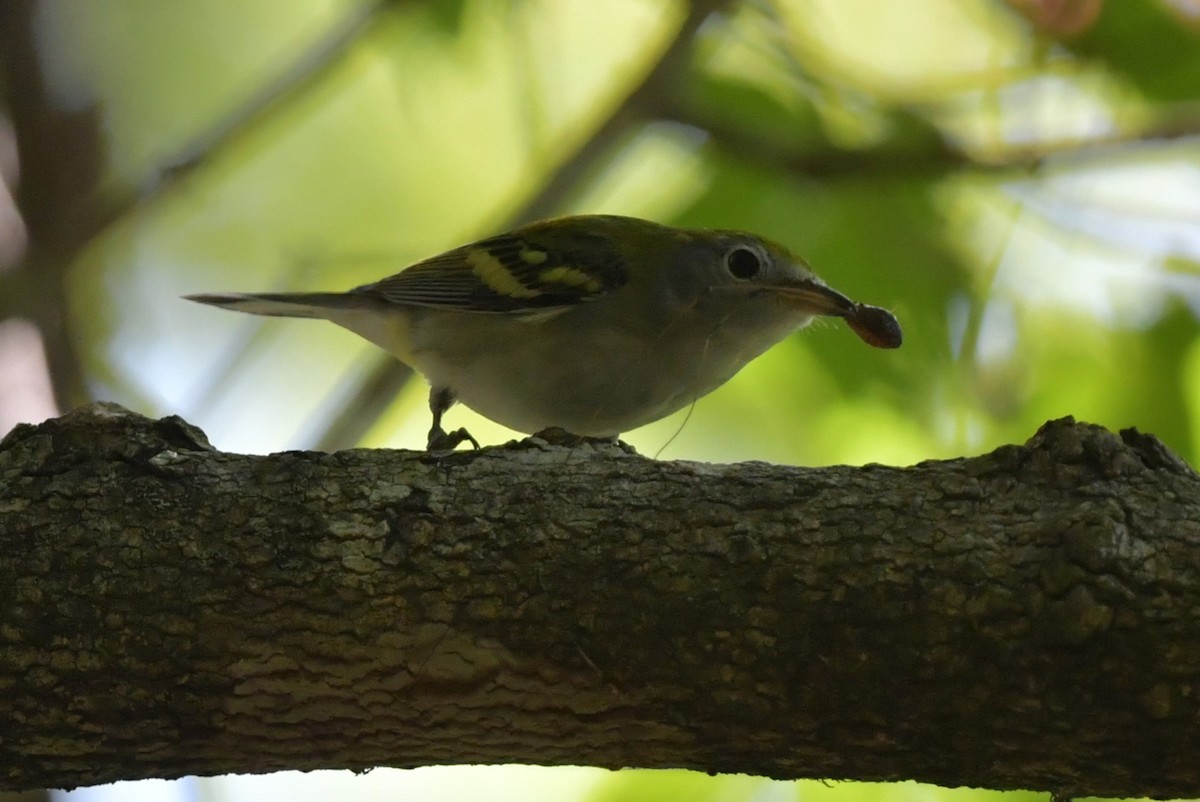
<point x="365" y="316"/>
<point x="284" y="304"/>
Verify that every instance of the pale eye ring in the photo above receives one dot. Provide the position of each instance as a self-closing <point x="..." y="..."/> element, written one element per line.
<point x="743" y="263"/>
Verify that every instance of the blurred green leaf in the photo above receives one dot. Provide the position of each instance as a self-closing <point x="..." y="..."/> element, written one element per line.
<point x="654" y="786"/>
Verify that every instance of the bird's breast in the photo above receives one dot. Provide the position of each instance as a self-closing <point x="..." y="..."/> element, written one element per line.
<point x="589" y="373"/>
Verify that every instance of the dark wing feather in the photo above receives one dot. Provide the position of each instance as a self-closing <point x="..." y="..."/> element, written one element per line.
<point x="508" y="274"/>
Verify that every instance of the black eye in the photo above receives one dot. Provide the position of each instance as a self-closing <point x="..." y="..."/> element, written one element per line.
<point x="743" y="263"/>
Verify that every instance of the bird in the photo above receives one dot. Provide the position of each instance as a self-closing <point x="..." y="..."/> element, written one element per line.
<point x="592" y="325"/>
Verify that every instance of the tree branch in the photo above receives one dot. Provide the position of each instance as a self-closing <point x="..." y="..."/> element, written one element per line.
<point x="1022" y="619"/>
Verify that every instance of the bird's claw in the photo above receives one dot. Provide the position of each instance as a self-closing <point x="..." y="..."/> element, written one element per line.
<point x="441" y="440"/>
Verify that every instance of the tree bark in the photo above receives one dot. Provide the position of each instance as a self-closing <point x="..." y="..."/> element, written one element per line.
<point x="1029" y="618"/>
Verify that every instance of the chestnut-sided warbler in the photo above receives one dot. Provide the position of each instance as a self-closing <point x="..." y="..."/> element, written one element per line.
<point x="594" y="324"/>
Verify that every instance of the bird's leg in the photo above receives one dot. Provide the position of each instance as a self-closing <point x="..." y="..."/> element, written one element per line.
<point x="440" y="400"/>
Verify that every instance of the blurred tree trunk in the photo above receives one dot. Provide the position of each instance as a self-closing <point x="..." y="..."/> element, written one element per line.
<point x="60" y="150"/>
<point x="1022" y="619"/>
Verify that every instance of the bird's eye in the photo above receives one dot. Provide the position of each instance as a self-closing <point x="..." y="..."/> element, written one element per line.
<point x="743" y="263"/>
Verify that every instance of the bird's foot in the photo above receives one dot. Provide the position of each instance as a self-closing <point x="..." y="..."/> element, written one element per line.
<point x="442" y="440"/>
<point x="556" y="436"/>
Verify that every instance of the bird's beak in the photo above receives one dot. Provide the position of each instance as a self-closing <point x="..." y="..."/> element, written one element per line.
<point x="814" y="297"/>
<point x="873" y="325"/>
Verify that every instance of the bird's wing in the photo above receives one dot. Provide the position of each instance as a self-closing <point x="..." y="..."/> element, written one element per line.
<point x="508" y="274"/>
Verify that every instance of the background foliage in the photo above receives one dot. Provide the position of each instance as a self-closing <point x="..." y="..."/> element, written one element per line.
<point x="1019" y="181"/>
